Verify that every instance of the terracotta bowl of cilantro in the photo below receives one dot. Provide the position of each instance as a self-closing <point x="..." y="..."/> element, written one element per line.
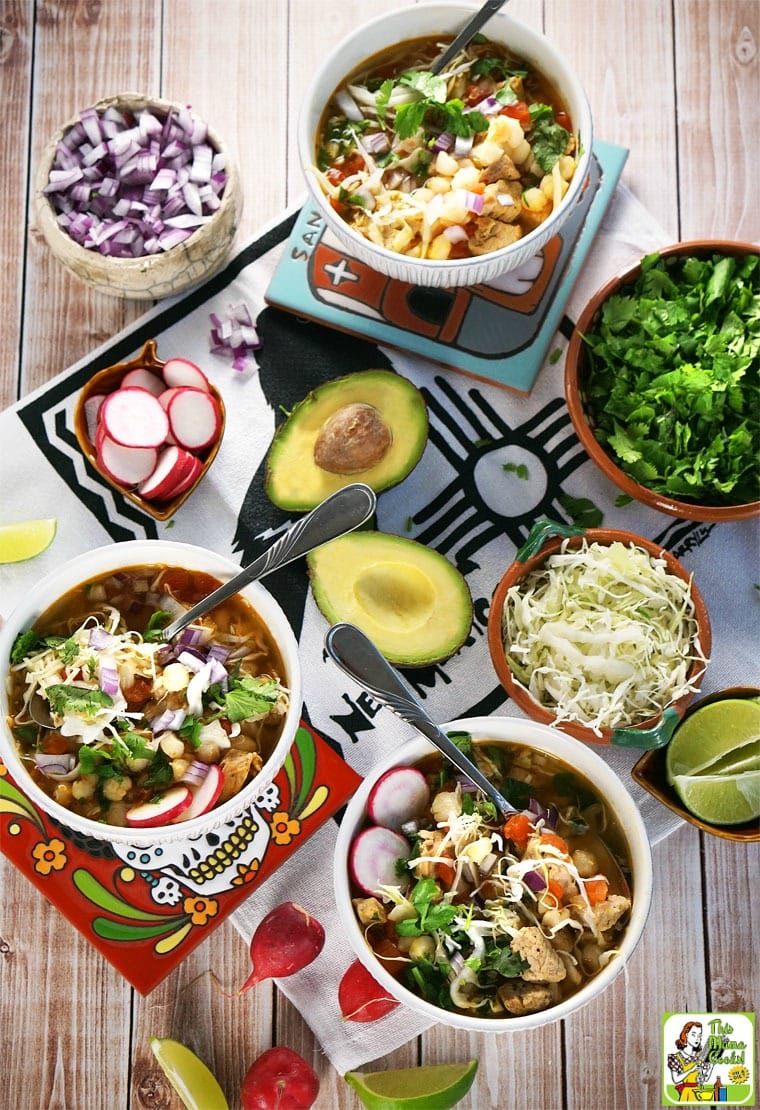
<point x="138" y="197"/>
<point x="600" y="633"/>
<point x="119" y="736"/>
<point x="662" y="380"/>
<point x="447" y="179"/>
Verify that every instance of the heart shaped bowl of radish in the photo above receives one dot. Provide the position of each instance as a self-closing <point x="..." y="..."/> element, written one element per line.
<point x="120" y="737"/>
<point x="138" y="197"/>
<point x="151" y="428"/>
<point x="484" y="924"/>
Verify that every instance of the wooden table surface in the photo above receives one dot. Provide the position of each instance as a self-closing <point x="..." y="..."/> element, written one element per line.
<point x="676" y="81"/>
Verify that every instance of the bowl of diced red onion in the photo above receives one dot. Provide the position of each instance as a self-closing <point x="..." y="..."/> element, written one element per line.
<point x="138" y="197"/>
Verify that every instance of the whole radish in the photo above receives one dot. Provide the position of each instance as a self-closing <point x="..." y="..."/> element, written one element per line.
<point x="361" y="997"/>
<point x="287" y="940"/>
<point x="279" y="1079"/>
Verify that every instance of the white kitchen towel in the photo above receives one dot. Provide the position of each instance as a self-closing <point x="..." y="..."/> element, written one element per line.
<point x="459" y="499"/>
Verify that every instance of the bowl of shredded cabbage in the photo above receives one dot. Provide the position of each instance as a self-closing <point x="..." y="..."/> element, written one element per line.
<point x="601" y="633"/>
<point x="451" y="178"/>
<point x="138" y="197"/>
<point x="662" y="377"/>
<point x="119" y="735"/>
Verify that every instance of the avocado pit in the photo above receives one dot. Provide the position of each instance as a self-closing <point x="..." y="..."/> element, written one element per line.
<point x="353" y="439"/>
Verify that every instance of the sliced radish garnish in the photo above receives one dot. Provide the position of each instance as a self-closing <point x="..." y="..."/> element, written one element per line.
<point x="180" y="371"/>
<point x="172" y="467"/>
<point x="205" y="795"/>
<point x="165" y="397"/>
<point x="162" y="810"/>
<point x="373" y="857"/>
<point x="126" y="465"/>
<point x="140" y="378"/>
<point x="195" y="418"/>
<point x="134" y="418"/>
<point x="196" y="467"/>
<point x="399" y="795"/>
<point x="91" y="411"/>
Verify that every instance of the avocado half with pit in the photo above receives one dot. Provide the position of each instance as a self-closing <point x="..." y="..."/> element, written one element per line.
<point x="370" y="426"/>
<point x="410" y="600"/>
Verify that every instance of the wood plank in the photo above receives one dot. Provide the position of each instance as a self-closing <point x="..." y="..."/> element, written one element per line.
<point x="731" y="872"/>
<point x="82" y="53"/>
<point x="16" y="25"/>
<point x="718" y="83"/>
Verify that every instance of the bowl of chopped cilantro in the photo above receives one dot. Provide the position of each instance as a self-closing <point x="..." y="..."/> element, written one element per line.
<point x="600" y="633"/>
<point x="662" y="380"/>
<point x="451" y="177"/>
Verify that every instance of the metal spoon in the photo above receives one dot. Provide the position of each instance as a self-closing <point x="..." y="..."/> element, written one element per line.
<point x="359" y="658"/>
<point x="342" y="512"/>
<point x="467" y="33"/>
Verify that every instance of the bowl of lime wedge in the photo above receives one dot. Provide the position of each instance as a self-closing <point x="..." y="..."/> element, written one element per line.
<point x="709" y="775"/>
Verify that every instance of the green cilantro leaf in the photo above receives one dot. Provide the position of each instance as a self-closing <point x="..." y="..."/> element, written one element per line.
<point x="76" y="699"/>
<point x="581" y="511"/>
<point x="157" y="622"/>
<point x="250" y="697"/>
<point x="549" y="142"/>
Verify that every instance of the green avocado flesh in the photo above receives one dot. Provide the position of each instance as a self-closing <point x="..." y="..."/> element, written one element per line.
<point x="294" y="481"/>
<point x="412" y="602"/>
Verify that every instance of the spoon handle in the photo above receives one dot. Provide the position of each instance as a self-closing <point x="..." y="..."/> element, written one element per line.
<point x="468" y="32"/>
<point x="359" y="658"/>
<point x="339" y="513"/>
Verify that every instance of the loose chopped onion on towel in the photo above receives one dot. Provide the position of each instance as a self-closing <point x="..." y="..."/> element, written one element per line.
<point x="233" y="335"/>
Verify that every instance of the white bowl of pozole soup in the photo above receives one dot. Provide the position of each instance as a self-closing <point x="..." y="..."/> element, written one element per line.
<point x="488" y="925"/>
<point x="116" y="734"/>
<point x="449" y="180"/>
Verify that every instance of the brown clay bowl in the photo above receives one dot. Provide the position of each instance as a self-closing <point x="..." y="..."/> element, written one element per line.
<point x="654" y="732"/>
<point x="109" y="379"/>
<point x="651" y="774"/>
<point x="577" y="369"/>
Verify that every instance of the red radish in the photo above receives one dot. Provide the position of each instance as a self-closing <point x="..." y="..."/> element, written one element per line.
<point x="361" y="998"/>
<point x="287" y="940"/>
<point x="134" y="418"/>
<point x="129" y="466"/>
<point x="399" y="795"/>
<point x="173" y="471"/>
<point x="141" y="378"/>
<point x="373" y="857"/>
<point x="180" y="371"/>
<point x="279" y="1079"/>
<point x="195" y="418"/>
<point x="205" y="796"/>
<point x="161" y="810"/>
<point x="91" y="410"/>
<point x="196" y="467"/>
<point x="165" y="397"/>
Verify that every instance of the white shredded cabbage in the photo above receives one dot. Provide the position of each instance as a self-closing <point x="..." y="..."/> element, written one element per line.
<point x="603" y="635"/>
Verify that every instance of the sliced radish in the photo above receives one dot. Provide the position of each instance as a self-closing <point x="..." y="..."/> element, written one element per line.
<point x="162" y="810"/>
<point x="129" y="466"/>
<point x="195" y="418"/>
<point x="134" y="418"/>
<point x="91" y="411"/>
<point x="172" y="468"/>
<point x="141" y="378"/>
<point x="196" y="467"/>
<point x="166" y="396"/>
<point x="180" y="371"/>
<point x="399" y="795"/>
<point x="373" y="857"/>
<point x="205" y="795"/>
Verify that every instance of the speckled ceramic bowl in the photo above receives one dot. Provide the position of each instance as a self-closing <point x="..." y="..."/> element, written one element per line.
<point x="415" y="21"/>
<point x="150" y="276"/>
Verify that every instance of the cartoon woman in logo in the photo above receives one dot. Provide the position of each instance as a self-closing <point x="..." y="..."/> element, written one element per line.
<point x="688" y="1065"/>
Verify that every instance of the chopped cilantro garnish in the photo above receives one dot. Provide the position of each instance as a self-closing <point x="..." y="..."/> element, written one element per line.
<point x="68" y="650"/>
<point x="24" y="644"/>
<point x="581" y="511"/>
<point x="549" y="141"/>
<point x="190" y="730"/>
<point x="463" y="740"/>
<point x="158" y="621"/>
<point x="250" y="696"/>
<point x="520" y="470"/>
<point x="76" y="699"/>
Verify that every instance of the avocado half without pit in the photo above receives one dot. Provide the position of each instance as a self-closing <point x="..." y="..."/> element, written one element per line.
<point x="410" y="600"/>
<point x="370" y="426"/>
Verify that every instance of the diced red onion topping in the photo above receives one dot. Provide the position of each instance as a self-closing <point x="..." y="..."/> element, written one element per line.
<point x="445" y="141"/>
<point x="168" y="721"/>
<point x="376" y="142"/>
<point x="455" y="233"/>
<point x="129" y="185"/>
<point x="535" y="881"/>
<point x="99" y="638"/>
<point x="56" y="766"/>
<point x="195" y="773"/>
<point x="108" y="678"/>
<point x="462" y="145"/>
<point x="233" y="335"/>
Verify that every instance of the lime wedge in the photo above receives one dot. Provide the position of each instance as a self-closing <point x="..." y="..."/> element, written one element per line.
<point x="25" y="539"/>
<point x="710" y="733"/>
<point x="188" y="1075"/>
<point x="721" y="799"/>
<point x="433" y="1087"/>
